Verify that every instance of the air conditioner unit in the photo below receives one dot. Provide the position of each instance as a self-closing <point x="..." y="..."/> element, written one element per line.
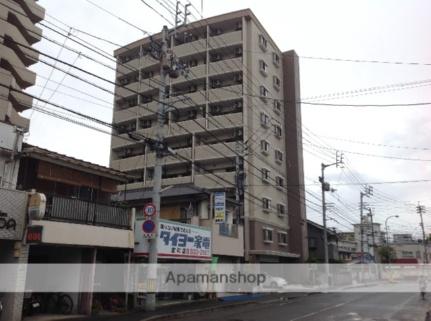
<point x="193" y="63"/>
<point x="238" y="132"/>
<point x="193" y="88"/>
<point x="238" y="78"/>
<point x="216" y="109"/>
<point x="238" y="25"/>
<point x="218" y="31"/>
<point x="238" y="104"/>
<point x="216" y="57"/>
<point x="238" y="52"/>
<point x="216" y="83"/>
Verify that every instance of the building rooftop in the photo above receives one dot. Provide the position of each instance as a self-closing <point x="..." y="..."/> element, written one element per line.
<point x="199" y="24"/>
<point x="71" y="162"/>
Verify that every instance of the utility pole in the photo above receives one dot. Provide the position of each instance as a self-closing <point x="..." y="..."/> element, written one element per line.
<point x="368" y="191"/>
<point x="150" y="302"/>
<point x="373" y="241"/>
<point x="239" y="179"/>
<point x="420" y="209"/>
<point x="326" y="188"/>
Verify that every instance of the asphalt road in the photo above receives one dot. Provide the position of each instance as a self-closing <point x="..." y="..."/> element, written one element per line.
<point x="328" y="307"/>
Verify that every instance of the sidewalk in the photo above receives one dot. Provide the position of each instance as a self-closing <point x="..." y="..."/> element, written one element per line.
<point x="188" y="308"/>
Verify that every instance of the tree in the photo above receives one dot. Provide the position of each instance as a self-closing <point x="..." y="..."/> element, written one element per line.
<point x="386" y="253"/>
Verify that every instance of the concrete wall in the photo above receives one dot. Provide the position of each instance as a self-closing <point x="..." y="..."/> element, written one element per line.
<point x="13" y="252"/>
<point x="298" y="240"/>
<point x="84" y="235"/>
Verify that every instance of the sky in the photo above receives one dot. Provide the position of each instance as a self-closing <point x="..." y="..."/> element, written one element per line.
<point x="382" y="31"/>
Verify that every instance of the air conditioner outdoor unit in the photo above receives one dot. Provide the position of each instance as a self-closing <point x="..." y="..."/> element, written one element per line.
<point x="239" y="25"/>
<point x="238" y="51"/>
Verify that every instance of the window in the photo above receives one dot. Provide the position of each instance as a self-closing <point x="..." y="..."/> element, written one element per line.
<point x="279" y="182"/>
<point x="278" y="156"/>
<point x="266" y="204"/>
<point x="276" y="59"/>
<point x="276" y="81"/>
<point x="277" y="106"/>
<point x="263" y="43"/>
<point x="264" y="146"/>
<point x="277" y="131"/>
<point x="281" y="210"/>
<point x="264" y="120"/>
<point x="267" y="235"/>
<point x="263" y="93"/>
<point x="265" y="175"/>
<point x="146" y="123"/>
<point x="282" y="238"/>
<point x="263" y="67"/>
<point x="407" y="254"/>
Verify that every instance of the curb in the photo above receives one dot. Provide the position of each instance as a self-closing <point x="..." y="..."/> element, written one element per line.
<point x="220" y="307"/>
<point x="196" y="311"/>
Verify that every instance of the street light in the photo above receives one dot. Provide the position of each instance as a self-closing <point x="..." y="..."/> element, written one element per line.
<point x="386" y="227"/>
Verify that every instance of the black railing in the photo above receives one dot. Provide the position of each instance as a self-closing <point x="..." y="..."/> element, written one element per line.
<point x="85" y="212"/>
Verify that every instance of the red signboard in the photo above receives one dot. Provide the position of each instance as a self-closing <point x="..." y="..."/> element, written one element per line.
<point x="34" y="234"/>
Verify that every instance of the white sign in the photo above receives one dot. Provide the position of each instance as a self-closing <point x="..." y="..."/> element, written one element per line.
<point x="220" y="207"/>
<point x="176" y="240"/>
<point x="13" y="207"/>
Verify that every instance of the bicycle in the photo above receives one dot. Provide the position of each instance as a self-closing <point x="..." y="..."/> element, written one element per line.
<point x="59" y="303"/>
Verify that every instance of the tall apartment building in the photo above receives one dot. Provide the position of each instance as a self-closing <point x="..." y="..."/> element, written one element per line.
<point x="240" y="92"/>
<point x="17" y="25"/>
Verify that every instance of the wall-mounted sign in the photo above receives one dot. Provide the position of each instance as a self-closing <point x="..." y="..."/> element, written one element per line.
<point x="13" y="205"/>
<point x="177" y="240"/>
<point x="36" y="206"/>
<point x="220" y="207"/>
<point x="34" y="234"/>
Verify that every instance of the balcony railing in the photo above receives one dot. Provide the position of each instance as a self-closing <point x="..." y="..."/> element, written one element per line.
<point x="230" y="230"/>
<point x="85" y="212"/>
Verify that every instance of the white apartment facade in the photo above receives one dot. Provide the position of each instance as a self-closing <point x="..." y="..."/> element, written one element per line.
<point x="233" y="97"/>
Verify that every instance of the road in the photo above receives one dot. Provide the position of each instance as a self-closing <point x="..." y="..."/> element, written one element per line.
<point x="328" y="307"/>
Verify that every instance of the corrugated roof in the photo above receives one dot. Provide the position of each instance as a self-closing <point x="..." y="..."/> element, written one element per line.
<point x="68" y="161"/>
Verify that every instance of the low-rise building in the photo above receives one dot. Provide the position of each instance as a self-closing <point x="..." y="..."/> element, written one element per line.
<point x="80" y="223"/>
<point x="316" y="248"/>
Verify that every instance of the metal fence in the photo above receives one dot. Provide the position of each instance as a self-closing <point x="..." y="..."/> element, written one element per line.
<point x="85" y="212"/>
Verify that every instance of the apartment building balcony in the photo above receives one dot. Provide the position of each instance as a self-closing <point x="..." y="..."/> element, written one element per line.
<point x="22" y="21"/>
<point x="20" y="101"/>
<point x="135" y="64"/>
<point x="13" y="63"/>
<point x="132" y="113"/>
<point x="225" y="40"/>
<point x="13" y="36"/>
<point x="135" y="87"/>
<point x="33" y="10"/>
<point x="214" y="151"/>
<point x="187" y="100"/>
<point x="228" y="239"/>
<point x="190" y="48"/>
<point x="82" y="223"/>
<point x="225" y="93"/>
<point x="209" y="181"/>
<point x="197" y="72"/>
<point x="225" y="66"/>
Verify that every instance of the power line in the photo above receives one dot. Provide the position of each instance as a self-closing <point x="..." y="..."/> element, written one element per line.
<point x="119" y="18"/>
<point x="375" y="144"/>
